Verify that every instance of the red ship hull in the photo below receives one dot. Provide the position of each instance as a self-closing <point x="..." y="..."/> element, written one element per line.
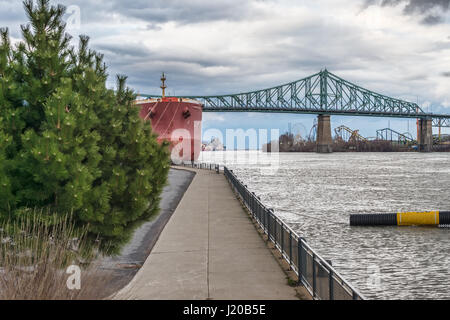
<point x="178" y="121"/>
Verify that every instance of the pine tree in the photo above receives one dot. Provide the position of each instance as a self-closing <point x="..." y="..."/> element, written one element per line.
<point x="7" y="89"/>
<point x="68" y="142"/>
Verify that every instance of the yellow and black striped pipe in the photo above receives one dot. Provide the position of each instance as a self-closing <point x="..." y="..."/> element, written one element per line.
<point x="430" y="218"/>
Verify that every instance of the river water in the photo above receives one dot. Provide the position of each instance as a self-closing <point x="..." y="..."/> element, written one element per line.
<point x="316" y="193"/>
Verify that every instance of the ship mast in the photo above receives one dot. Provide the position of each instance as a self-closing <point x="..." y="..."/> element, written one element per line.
<point x="163" y="85"/>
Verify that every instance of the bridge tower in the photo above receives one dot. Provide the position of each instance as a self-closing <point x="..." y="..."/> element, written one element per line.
<point x="324" y="140"/>
<point x="425" y="135"/>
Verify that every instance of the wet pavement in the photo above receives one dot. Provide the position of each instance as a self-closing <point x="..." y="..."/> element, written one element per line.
<point x="123" y="267"/>
<point x="209" y="250"/>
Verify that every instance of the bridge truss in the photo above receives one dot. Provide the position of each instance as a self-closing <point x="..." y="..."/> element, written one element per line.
<point x="441" y="122"/>
<point x="321" y="93"/>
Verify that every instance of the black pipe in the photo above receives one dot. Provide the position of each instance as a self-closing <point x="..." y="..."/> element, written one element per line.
<point x="375" y="219"/>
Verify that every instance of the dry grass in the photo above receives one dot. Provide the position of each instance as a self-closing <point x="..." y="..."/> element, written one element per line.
<point x="35" y="253"/>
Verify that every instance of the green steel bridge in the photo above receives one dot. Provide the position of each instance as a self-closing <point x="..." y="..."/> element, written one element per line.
<point x="321" y="93"/>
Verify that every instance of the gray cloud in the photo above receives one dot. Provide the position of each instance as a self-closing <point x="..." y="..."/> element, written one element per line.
<point x="121" y="51"/>
<point x="157" y="12"/>
<point x="446" y="74"/>
<point x="432" y="19"/>
<point x="12" y="15"/>
<point x="221" y="47"/>
<point x="423" y="7"/>
<point x="153" y="12"/>
<point x="180" y="11"/>
<point x="439" y="45"/>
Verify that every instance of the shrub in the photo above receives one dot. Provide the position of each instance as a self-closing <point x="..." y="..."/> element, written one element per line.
<point x="67" y="142"/>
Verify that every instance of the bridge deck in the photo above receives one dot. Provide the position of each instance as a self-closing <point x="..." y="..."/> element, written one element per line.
<point x="321" y="93"/>
<point x="209" y="250"/>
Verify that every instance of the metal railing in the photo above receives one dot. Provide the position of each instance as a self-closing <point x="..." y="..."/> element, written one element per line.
<point x="316" y="274"/>
<point x="203" y="166"/>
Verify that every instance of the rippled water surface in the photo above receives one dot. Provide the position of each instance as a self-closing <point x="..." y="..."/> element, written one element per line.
<point x="316" y="194"/>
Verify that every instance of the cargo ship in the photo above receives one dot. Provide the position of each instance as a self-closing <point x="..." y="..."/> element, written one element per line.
<point x="176" y="120"/>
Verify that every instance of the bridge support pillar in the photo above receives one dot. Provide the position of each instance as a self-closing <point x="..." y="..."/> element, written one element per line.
<point x="324" y="141"/>
<point x="425" y="135"/>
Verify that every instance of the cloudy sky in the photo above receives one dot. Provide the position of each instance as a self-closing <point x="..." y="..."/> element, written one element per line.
<point x="399" y="48"/>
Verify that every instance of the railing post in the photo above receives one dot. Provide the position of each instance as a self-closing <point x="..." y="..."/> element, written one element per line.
<point x="314" y="274"/>
<point x="331" y="285"/>
<point x="266" y="220"/>
<point x="290" y="248"/>
<point x="275" y="230"/>
<point x="263" y="218"/>
<point x="253" y="201"/>
<point x="299" y="260"/>
<point x="257" y="213"/>
<point x="260" y="216"/>
<point x="258" y="205"/>
<point x="282" y="240"/>
<point x="274" y="227"/>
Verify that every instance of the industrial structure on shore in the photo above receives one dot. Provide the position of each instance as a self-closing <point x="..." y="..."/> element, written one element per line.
<point x="348" y="139"/>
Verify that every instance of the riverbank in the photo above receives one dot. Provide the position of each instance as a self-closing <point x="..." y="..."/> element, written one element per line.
<point x="363" y="147"/>
<point x="209" y="250"/>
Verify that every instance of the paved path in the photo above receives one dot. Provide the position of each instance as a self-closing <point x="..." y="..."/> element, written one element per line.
<point x="209" y="249"/>
<point x="121" y="269"/>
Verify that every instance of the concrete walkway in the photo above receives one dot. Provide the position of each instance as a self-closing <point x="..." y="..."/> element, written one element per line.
<point x="209" y="249"/>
